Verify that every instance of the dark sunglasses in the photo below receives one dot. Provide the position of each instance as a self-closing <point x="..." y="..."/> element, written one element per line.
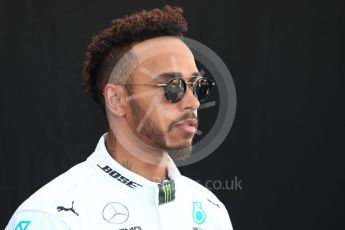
<point x="175" y="88"/>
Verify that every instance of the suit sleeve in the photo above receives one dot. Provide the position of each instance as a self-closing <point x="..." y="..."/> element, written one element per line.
<point x="35" y="220"/>
<point x="226" y="223"/>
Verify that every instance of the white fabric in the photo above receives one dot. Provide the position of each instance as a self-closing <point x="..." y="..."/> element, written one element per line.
<point x="107" y="196"/>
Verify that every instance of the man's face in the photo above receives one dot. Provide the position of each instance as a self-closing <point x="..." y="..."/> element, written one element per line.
<point x="156" y="121"/>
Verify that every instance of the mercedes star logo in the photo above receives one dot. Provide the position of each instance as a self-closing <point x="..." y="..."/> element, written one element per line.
<point x="115" y="213"/>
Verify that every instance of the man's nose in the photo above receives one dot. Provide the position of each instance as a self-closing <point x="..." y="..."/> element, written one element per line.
<point x="189" y="100"/>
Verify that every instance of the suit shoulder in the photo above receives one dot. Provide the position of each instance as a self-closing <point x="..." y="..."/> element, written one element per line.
<point x="201" y="189"/>
<point x="62" y="185"/>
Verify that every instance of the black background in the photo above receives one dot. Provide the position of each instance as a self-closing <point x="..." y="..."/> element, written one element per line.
<point x="287" y="141"/>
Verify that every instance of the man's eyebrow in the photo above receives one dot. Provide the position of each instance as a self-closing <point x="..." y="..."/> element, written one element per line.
<point x="196" y="74"/>
<point x="168" y="75"/>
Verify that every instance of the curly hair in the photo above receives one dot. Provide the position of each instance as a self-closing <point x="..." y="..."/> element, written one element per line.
<point x="110" y="46"/>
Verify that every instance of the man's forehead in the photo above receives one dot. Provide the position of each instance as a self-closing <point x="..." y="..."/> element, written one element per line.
<point x="161" y="47"/>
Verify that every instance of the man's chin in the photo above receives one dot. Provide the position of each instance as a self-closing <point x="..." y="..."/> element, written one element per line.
<point x="180" y="153"/>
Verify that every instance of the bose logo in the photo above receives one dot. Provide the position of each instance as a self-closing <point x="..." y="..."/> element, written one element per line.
<point x="119" y="177"/>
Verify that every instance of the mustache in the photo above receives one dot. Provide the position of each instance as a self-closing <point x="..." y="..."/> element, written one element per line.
<point x="185" y="116"/>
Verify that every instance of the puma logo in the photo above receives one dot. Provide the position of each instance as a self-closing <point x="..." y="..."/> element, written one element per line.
<point x="60" y="208"/>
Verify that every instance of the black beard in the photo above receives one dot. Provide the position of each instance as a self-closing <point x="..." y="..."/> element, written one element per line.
<point x="151" y="132"/>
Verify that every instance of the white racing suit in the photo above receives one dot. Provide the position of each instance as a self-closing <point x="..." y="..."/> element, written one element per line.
<point x="100" y="194"/>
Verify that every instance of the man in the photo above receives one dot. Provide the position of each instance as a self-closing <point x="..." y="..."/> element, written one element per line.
<point x="146" y="79"/>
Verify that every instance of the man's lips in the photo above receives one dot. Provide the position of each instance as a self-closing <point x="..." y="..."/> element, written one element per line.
<point x="187" y="125"/>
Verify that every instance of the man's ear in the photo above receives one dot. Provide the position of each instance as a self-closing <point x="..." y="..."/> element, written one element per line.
<point x="115" y="99"/>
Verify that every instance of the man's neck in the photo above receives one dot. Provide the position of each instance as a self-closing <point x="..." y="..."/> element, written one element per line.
<point x="153" y="168"/>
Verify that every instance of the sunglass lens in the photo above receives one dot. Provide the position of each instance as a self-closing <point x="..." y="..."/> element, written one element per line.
<point x="202" y="88"/>
<point x="175" y="89"/>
